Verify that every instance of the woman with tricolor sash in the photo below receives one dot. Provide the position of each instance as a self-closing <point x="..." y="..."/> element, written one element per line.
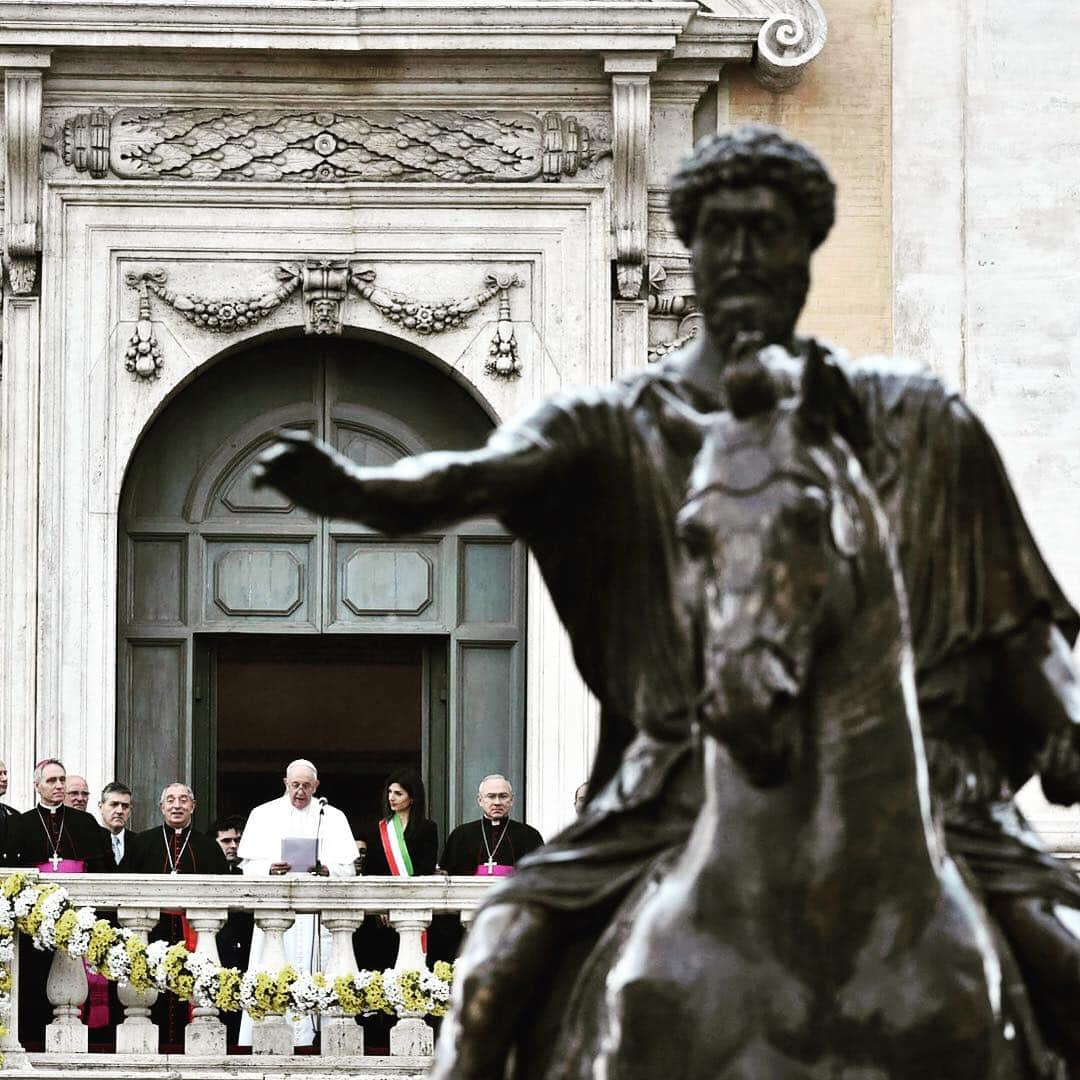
<point x="403" y="843"/>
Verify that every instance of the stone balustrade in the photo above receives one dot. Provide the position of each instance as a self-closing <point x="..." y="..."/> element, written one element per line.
<point x="138" y="900"/>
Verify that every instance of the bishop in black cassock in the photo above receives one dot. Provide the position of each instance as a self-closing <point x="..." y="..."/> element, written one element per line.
<point x="470" y="846"/>
<point x="489" y="846"/>
<point x="41" y="837"/>
<point x="173" y="847"/>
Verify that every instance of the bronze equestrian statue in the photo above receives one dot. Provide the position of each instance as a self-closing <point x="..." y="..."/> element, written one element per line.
<point x="594" y="482"/>
<point x="813" y="927"/>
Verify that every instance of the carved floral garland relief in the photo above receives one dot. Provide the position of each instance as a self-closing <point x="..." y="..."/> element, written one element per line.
<point x="324" y="285"/>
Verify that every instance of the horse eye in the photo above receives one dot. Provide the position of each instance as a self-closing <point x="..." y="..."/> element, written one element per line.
<point x="809" y="511"/>
<point x="695" y="535"/>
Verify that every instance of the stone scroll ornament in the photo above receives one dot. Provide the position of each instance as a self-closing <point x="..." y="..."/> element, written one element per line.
<point x="324" y="285"/>
<point x="389" y="145"/>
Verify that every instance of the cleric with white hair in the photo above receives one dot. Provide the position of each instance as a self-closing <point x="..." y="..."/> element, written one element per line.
<point x="296" y="834"/>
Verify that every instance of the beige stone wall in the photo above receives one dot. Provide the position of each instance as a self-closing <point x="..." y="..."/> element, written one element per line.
<point x="842" y="108"/>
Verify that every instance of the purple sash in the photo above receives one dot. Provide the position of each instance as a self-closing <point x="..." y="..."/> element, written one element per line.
<point x="63" y="866"/>
<point x="498" y="870"/>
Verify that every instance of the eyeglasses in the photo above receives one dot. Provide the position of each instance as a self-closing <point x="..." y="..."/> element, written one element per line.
<point x="300" y="785"/>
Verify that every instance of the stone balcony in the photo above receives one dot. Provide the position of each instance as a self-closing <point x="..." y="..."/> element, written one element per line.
<point x="138" y="900"/>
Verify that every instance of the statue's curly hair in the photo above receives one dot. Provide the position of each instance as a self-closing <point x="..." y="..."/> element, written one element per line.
<point x="754" y="154"/>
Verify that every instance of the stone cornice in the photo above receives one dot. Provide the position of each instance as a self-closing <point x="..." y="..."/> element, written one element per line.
<point x="780" y="35"/>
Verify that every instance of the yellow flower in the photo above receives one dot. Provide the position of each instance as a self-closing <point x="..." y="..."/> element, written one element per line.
<point x="65" y="927"/>
<point x="5" y="980"/>
<point x="140" y="969"/>
<point x="443" y="970"/>
<point x="30" y="922"/>
<point x="102" y="938"/>
<point x="351" y="999"/>
<point x="14" y="885"/>
<point x="228" y="992"/>
<point x="376" y="995"/>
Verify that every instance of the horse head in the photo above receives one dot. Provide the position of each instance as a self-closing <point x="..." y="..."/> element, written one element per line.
<point x="776" y="519"/>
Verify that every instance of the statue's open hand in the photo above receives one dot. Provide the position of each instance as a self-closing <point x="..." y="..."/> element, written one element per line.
<point x="305" y="469"/>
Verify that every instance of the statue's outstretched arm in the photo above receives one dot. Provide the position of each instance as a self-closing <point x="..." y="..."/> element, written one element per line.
<point x="416" y="493"/>
<point x="1040" y="679"/>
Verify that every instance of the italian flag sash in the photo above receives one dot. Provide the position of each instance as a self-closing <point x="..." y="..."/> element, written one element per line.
<point x="393" y="842"/>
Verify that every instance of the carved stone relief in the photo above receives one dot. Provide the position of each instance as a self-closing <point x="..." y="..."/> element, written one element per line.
<point x="395" y="145"/>
<point x="143" y="354"/>
<point x="673" y="316"/>
<point x="324" y="286"/>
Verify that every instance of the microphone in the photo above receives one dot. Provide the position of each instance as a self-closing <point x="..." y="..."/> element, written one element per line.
<point x="317" y="868"/>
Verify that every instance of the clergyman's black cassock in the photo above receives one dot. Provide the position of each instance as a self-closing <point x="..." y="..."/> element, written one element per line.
<point x="508" y="841"/>
<point x="157" y="851"/>
<point x="32" y="838"/>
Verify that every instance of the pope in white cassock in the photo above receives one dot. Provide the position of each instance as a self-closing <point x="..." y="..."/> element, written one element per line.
<point x="295" y="817"/>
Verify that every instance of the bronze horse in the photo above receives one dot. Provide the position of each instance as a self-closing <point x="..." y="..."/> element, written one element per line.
<point x="814" y="928"/>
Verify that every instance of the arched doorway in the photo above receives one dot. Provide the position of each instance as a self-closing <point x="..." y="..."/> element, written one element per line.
<point x="251" y="632"/>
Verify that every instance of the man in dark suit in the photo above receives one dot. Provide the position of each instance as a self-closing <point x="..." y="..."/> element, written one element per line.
<point x="114" y="809"/>
<point x="234" y="938"/>
<point x="174" y="847"/>
<point x="5" y="813"/>
<point x="5" y="810"/>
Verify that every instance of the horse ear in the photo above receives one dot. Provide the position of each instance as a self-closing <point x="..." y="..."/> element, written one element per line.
<point x="828" y="401"/>
<point x="815" y="404"/>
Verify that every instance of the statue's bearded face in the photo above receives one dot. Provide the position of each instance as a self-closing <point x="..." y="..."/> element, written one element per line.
<point x="751" y="263"/>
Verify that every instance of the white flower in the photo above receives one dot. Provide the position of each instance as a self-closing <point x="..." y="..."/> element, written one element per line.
<point x="247" y="989"/>
<point x="24" y="900"/>
<point x="155" y="961"/>
<point x="79" y="943"/>
<point x="205" y="972"/>
<point x="306" y="996"/>
<point x="51" y="908"/>
<point x="119" y="963"/>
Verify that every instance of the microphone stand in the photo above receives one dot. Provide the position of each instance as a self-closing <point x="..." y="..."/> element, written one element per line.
<point x="317" y="871"/>
<point x="317" y="868"/>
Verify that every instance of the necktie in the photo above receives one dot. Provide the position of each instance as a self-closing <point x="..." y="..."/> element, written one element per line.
<point x="117" y="849"/>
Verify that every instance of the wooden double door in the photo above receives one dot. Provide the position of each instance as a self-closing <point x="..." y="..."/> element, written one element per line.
<point x="251" y="632"/>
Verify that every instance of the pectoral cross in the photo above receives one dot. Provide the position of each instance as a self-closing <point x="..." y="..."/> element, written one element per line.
<point x="55" y="860"/>
<point x="490" y="864"/>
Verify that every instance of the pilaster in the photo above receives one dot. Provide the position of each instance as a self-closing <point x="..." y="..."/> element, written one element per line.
<point x="19" y="398"/>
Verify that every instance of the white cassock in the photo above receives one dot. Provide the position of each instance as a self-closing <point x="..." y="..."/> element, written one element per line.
<point x="260" y="845"/>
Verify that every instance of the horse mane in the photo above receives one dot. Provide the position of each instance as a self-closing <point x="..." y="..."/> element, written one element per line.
<point x="750" y="388"/>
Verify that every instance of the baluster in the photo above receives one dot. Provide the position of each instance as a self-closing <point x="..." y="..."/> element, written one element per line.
<point x="341" y="1035"/>
<point x="273" y="1034"/>
<point x="205" y="1034"/>
<point x="12" y="1051"/>
<point x="410" y="1036"/>
<point x="66" y="990"/>
<point x="138" y="1034"/>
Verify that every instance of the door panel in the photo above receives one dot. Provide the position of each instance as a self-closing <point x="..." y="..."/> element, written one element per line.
<point x="153" y="750"/>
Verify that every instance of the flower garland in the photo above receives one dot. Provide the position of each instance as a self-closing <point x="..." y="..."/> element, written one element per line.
<point x="44" y="912"/>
